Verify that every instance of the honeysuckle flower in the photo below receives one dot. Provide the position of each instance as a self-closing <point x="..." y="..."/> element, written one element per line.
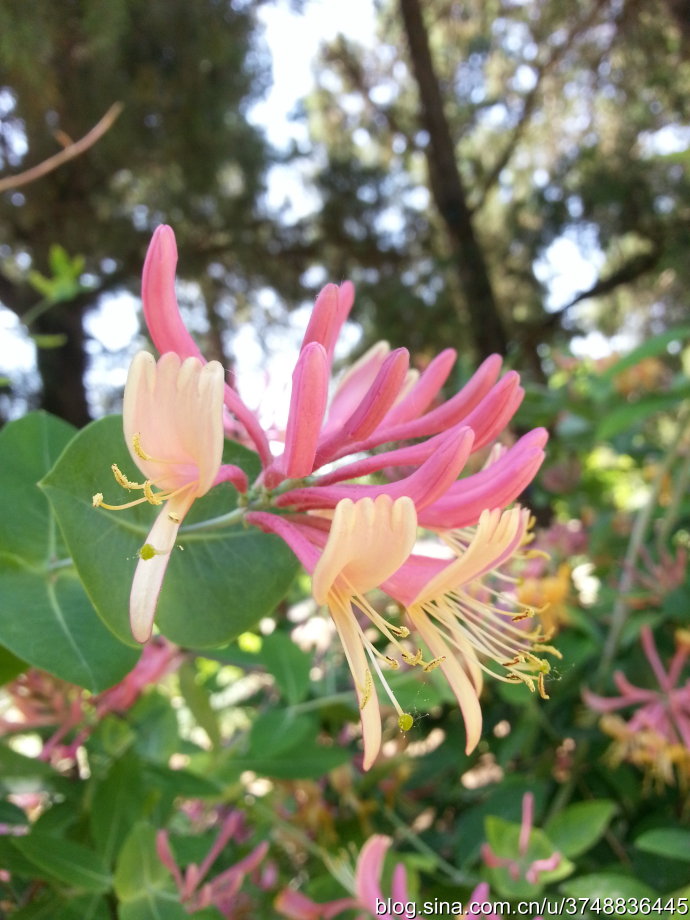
<point x="221" y="891"/>
<point x="656" y="738"/>
<point x="521" y="866"/>
<point x="359" y="475"/>
<point x="37" y="700"/>
<point x="172" y="419"/>
<point x="370" y="898"/>
<point x="367" y="894"/>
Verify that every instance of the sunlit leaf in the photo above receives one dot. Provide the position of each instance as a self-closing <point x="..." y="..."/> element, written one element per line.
<point x="219" y="582"/>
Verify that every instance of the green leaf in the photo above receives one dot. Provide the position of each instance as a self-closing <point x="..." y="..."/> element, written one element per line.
<point x="50" y="906"/>
<point x="28" y="449"/>
<point x="657" y="345"/>
<point x="66" y="861"/>
<point x="157" y="732"/>
<point x="306" y="761"/>
<point x="24" y="774"/>
<point x="45" y="617"/>
<point x="117" y="802"/>
<point x="504" y="839"/>
<point x="673" y="842"/>
<point x="277" y="730"/>
<point x="10" y="666"/>
<point x="197" y="699"/>
<point x="142" y="882"/>
<point x="627" y="415"/>
<point x="606" y="885"/>
<point x="12" y="814"/>
<point x="180" y="782"/>
<point x="160" y="906"/>
<point x="50" y="622"/>
<point x="220" y="586"/>
<point x="288" y="664"/>
<point x="578" y="828"/>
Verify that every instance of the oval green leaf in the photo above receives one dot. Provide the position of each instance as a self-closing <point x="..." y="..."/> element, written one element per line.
<point x="46" y="618"/>
<point x="221" y="582"/>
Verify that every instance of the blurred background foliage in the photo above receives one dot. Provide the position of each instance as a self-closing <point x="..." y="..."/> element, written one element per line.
<point x="438" y="174"/>
<point x="498" y="175"/>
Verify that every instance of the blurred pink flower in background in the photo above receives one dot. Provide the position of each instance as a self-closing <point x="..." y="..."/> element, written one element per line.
<point x="520" y="866"/>
<point x="656" y="737"/>
<point x="370" y="897"/>
<point x="222" y="891"/>
<point x="39" y="700"/>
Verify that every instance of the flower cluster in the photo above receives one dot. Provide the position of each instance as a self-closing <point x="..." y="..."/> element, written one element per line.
<point x="521" y="865"/>
<point x="357" y="478"/>
<point x="37" y="700"/>
<point x="370" y="898"/>
<point x="656" y="738"/>
<point x="223" y="890"/>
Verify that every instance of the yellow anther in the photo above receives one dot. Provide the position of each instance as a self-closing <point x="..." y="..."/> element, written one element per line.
<point x="97" y="500"/>
<point x="138" y="449"/>
<point x="547" y="648"/>
<point x="402" y="632"/>
<point x="536" y="554"/>
<point x="367" y="691"/>
<point x="151" y="496"/>
<point x="411" y="659"/>
<point x="405" y="721"/>
<point x="122" y="480"/>
<point x="432" y="665"/>
<point x="392" y="662"/>
<point x="172" y="516"/>
<point x="542" y="690"/>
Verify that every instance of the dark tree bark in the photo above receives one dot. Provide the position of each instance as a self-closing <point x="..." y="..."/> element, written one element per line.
<point x="62" y="363"/>
<point x="62" y="367"/>
<point x="449" y="195"/>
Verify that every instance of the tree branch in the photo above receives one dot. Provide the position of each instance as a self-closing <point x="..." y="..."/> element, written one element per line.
<point x="68" y="153"/>
<point x="631" y="270"/>
<point x="449" y="194"/>
<point x="530" y="102"/>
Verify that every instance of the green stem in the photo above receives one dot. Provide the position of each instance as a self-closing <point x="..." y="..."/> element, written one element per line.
<point x="457" y="876"/>
<point x="637" y="536"/>
<point x="223" y="520"/>
<point x="680" y="490"/>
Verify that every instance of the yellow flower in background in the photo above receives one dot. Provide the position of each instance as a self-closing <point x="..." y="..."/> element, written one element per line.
<point x="547" y="595"/>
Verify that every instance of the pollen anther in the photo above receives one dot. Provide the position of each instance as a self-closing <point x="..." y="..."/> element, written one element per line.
<point x="402" y="632"/>
<point x="138" y="449"/>
<point x="433" y="664"/>
<point x="367" y="691"/>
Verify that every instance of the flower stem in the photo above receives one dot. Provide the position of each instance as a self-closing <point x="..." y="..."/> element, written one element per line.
<point x="637" y="536"/>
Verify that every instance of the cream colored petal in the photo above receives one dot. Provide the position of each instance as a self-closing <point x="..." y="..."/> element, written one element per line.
<point x="370" y="714"/>
<point x="461" y="685"/>
<point x="149" y="574"/>
<point x="176" y="409"/>
<point x="211" y="437"/>
<point x="369" y="540"/>
<point x="497" y="536"/>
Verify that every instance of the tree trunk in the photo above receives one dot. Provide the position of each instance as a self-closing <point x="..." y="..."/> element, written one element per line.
<point x="62" y="368"/>
<point x="449" y="195"/>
